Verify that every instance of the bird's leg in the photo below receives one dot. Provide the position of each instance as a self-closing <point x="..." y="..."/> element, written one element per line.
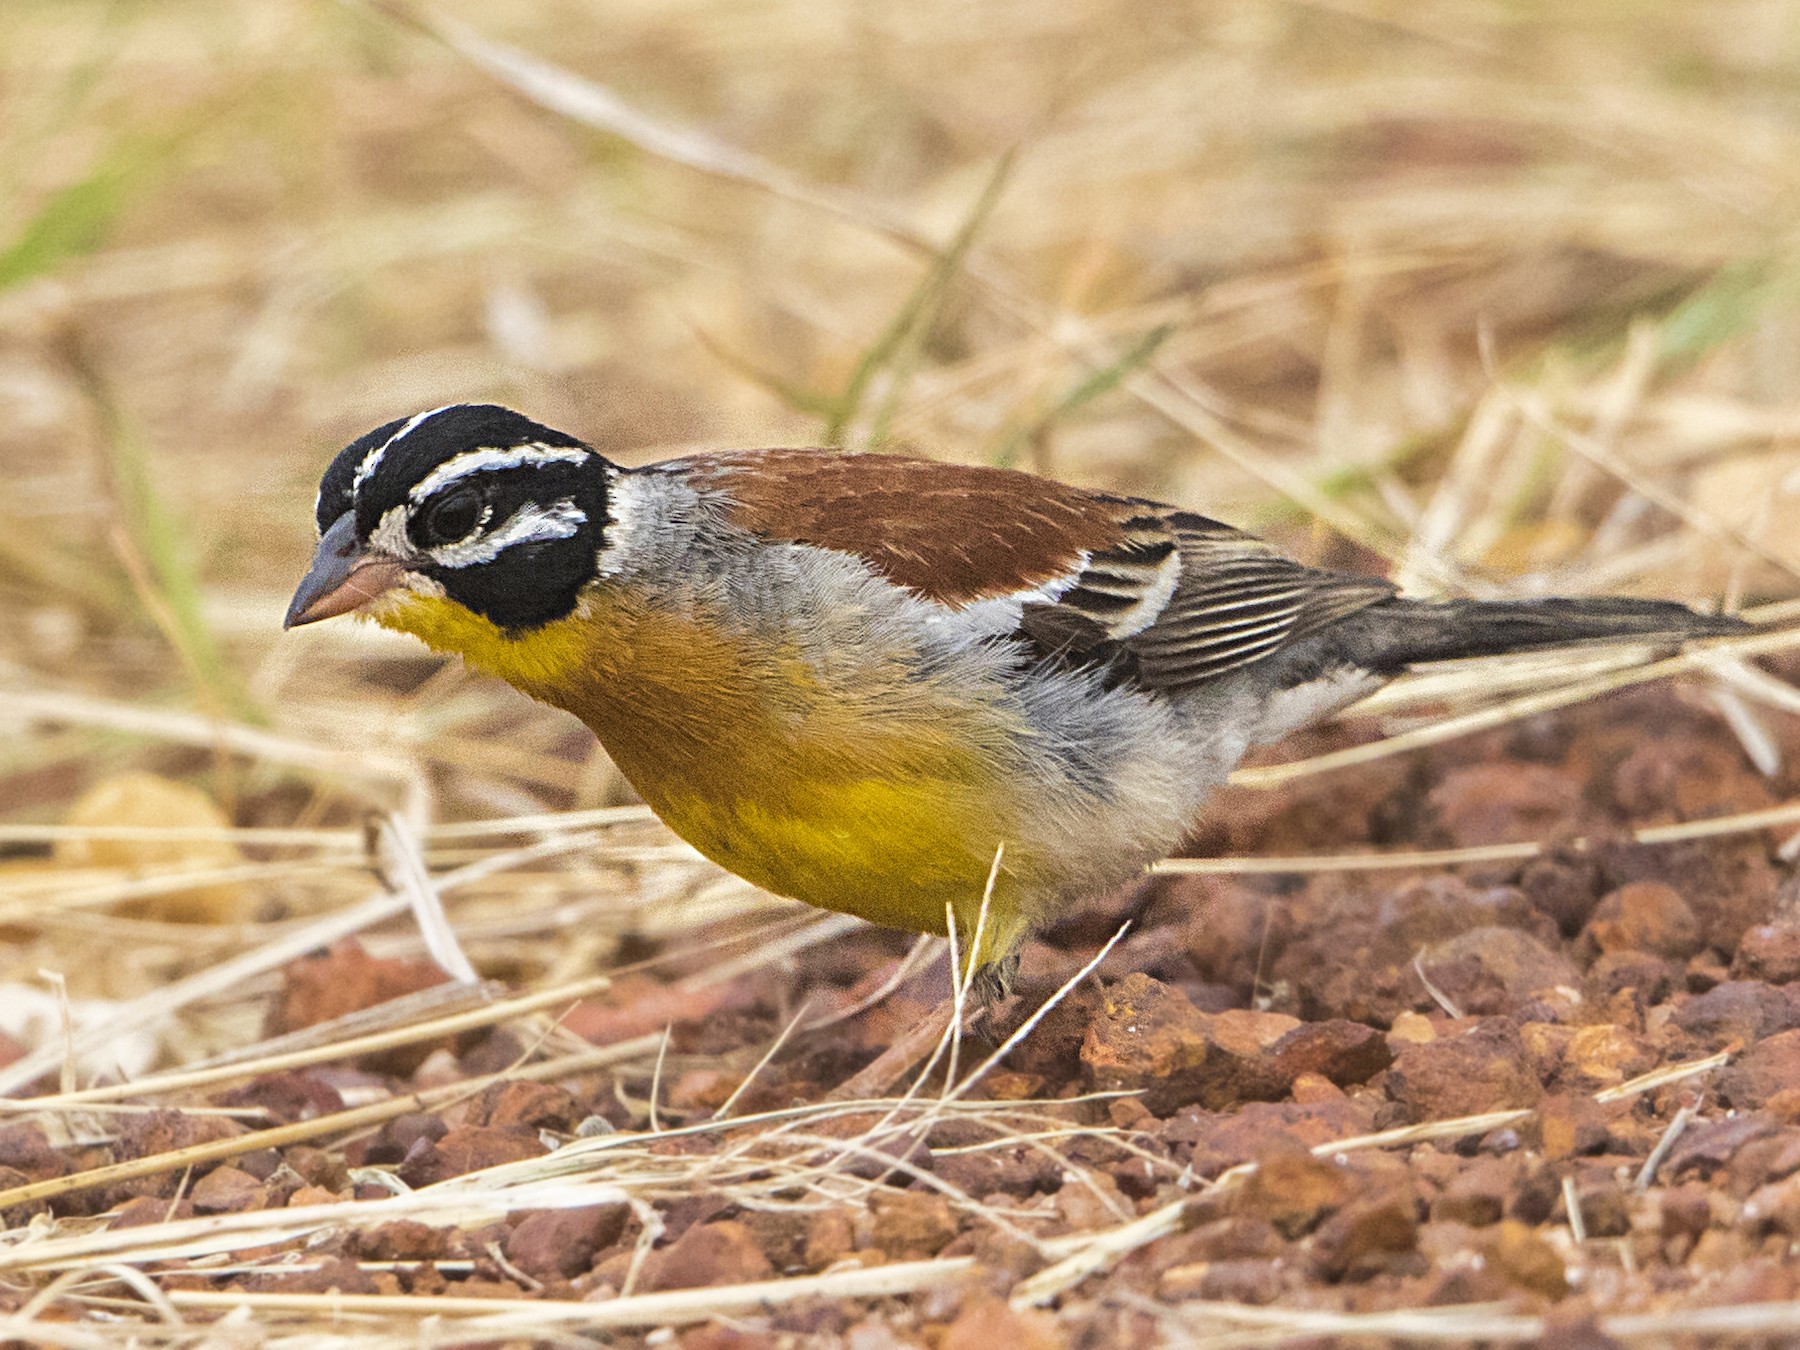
<point x="990" y="986"/>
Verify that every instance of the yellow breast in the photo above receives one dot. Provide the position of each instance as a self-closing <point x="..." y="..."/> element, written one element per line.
<point x="860" y="797"/>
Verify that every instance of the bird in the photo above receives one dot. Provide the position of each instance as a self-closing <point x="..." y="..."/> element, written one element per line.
<point x="954" y="699"/>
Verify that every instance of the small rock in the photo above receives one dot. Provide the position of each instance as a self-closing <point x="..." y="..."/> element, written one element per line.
<point x="723" y="1252"/>
<point x="316" y="1167"/>
<point x="911" y="1225"/>
<point x="535" y="1106"/>
<point x="1253" y="1282"/>
<point x="397" y="1139"/>
<point x="1410" y="1028"/>
<point x="1643" y="974"/>
<point x="1506" y="803"/>
<point x="1767" y="1068"/>
<point x="1563" y="886"/>
<point x="17" y="1216"/>
<point x="1293" y="1190"/>
<point x="347" y="979"/>
<point x="149" y="1209"/>
<point x="830" y="1237"/>
<point x="563" y="1242"/>
<point x="228" y="1190"/>
<point x="287" y="1097"/>
<point x="1644" y="916"/>
<point x="334" y="1275"/>
<point x="1602" y="1055"/>
<point x="155" y="1132"/>
<point x="1310" y="1088"/>
<point x="143" y="1136"/>
<point x="988" y="1323"/>
<point x="1605" y="1210"/>
<point x="1685" y="1210"/>
<point x="26" y="1148"/>
<point x="1362" y="1239"/>
<point x="1708" y="1148"/>
<point x="1741" y="1010"/>
<point x="1476" y="1194"/>
<point x="1769" y="951"/>
<point x="1211" y="1143"/>
<point x="1685" y="778"/>
<point x="1529" y="1261"/>
<point x="1342" y="1052"/>
<point x="1570" y="1125"/>
<point x="149" y="800"/>
<point x="1482" y="1070"/>
<point x="782" y="1234"/>
<point x="1494" y="970"/>
<point x="467" y="1148"/>
<point x="402" y="1240"/>
<point x="702" y="1090"/>
<point x="1149" y="1038"/>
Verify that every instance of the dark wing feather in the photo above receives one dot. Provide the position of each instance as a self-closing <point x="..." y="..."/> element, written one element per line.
<point x="1233" y="601"/>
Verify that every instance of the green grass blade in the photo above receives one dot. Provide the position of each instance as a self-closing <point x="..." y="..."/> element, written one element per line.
<point x="900" y="341"/>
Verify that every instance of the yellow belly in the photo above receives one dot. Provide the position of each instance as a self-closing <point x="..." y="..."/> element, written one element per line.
<point x="865" y="798"/>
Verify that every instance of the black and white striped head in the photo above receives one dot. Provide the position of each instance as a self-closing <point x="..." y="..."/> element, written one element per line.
<point x="498" y="513"/>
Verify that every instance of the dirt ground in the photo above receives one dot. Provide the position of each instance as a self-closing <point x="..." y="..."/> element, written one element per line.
<point x="1565" y="1089"/>
<point x="1471" y="1018"/>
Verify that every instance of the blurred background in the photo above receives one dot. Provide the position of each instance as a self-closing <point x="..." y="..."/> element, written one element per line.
<point x="1497" y="297"/>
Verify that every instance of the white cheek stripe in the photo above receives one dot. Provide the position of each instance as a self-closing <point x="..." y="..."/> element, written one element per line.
<point x="373" y="459"/>
<point x="528" y="525"/>
<point x="388" y="538"/>
<point x="501" y="457"/>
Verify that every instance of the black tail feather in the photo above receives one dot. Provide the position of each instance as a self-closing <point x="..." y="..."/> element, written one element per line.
<point x="1419" y="631"/>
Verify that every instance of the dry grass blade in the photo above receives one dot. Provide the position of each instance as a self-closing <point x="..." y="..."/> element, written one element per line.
<point x="676" y="1307"/>
<point x="1456" y="1325"/>
<point x="569" y="95"/>
<point x="339" y="1122"/>
<point x="346" y="1048"/>
<point x="150" y="1008"/>
<point x="1714" y="827"/>
<point x="1513" y="710"/>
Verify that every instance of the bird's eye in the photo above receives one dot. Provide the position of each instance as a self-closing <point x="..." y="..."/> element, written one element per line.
<point x="455" y="517"/>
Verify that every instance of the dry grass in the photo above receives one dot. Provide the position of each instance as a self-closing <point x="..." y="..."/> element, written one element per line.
<point x="1502" y="296"/>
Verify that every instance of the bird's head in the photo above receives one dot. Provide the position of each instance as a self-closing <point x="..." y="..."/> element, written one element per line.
<point x="469" y="508"/>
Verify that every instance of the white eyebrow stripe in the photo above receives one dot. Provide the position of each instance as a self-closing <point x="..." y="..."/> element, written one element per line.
<point x="373" y="459"/>
<point x="530" y="524"/>
<point x="494" y="457"/>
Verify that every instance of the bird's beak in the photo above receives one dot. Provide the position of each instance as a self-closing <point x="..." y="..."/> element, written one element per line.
<point x="343" y="577"/>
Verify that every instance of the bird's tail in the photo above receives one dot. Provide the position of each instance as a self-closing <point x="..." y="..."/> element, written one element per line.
<point x="1420" y="631"/>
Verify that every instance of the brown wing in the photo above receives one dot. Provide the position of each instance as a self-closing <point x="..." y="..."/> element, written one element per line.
<point x="1184" y="597"/>
<point x="953" y="532"/>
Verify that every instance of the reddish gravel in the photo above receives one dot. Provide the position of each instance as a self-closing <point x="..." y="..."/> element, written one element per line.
<point x="1249" y="1019"/>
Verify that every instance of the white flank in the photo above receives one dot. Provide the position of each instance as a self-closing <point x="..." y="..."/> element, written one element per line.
<point x="1288" y="710"/>
<point x="528" y="525"/>
<point x="494" y="457"/>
